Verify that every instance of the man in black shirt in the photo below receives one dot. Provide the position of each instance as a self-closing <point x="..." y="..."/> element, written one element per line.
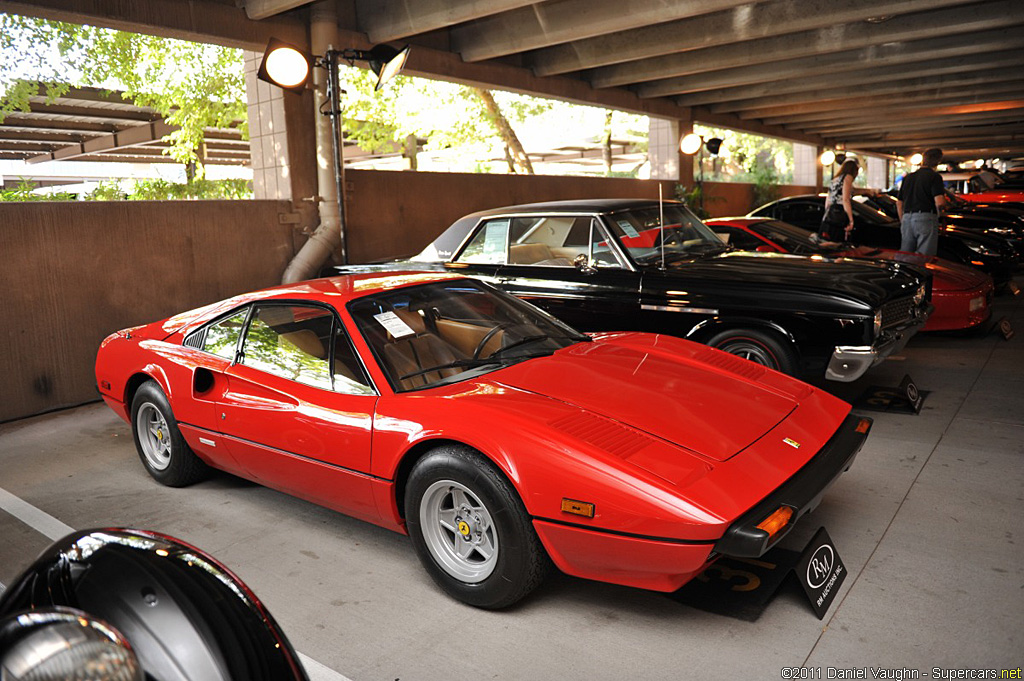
<point x="920" y="201"/>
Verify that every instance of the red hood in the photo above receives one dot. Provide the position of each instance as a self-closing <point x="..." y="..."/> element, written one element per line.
<point x="625" y="377"/>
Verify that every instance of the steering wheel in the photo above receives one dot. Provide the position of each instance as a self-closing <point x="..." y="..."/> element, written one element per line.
<point x="487" y="337"/>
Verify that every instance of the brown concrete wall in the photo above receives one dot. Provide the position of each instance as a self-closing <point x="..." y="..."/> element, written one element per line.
<point x="71" y="273"/>
<point x="730" y="199"/>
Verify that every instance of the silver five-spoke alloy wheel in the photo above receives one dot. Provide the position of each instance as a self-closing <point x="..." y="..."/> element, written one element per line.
<point x="459" y="531"/>
<point x="154" y="436"/>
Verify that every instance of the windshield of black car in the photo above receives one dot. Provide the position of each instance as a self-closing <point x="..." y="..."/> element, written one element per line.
<point x="438" y="333"/>
<point x="640" y="233"/>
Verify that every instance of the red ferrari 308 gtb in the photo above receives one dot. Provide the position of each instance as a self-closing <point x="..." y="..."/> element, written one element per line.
<point x="497" y="437"/>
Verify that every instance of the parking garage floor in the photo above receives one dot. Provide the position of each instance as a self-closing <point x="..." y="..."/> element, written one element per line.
<point x="928" y="522"/>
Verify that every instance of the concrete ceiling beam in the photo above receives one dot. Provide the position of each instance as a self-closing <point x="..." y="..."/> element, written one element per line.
<point x="940" y="142"/>
<point x="995" y="14"/>
<point x="1010" y="82"/>
<point x="384" y="20"/>
<point x="882" y="87"/>
<point x="867" y="125"/>
<point x="262" y="9"/>
<point x="562" y="21"/>
<point x="999" y="99"/>
<point x="746" y="22"/>
<point x="920" y="56"/>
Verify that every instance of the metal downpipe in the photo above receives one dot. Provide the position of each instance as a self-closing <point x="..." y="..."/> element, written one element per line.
<point x="327" y="236"/>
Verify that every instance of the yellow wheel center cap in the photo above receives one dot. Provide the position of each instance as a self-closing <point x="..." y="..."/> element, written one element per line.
<point x="160" y="435"/>
<point x="464" y="528"/>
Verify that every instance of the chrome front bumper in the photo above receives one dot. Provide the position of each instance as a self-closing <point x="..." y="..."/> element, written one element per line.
<point x="849" y="362"/>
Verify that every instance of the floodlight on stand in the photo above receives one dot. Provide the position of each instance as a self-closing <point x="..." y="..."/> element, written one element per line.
<point x="714" y="145"/>
<point x="285" y="65"/>
<point x="386" y="62"/>
<point x="690" y="143"/>
<point x="827" y="158"/>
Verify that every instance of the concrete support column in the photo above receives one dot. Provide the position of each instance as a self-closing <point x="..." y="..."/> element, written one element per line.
<point x="663" y="148"/>
<point x="878" y="172"/>
<point x="806" y="169"/>
<point x="268" y="138"/>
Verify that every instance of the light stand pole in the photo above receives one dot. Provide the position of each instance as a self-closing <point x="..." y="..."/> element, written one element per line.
<point x="330" y="62"/>
<point x="289" y="67"/>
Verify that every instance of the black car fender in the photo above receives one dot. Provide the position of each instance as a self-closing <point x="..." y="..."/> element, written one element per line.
<point x="707" y="328"/>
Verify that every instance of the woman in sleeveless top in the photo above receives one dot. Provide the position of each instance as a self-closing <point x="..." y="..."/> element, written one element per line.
<point x="838" y="222"/>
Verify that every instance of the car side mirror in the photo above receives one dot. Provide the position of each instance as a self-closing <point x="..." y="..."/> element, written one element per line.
<point x="582" y="263"/>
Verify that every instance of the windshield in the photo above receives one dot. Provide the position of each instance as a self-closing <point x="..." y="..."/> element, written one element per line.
<point x="683" y="237"/>
<point x="445" y="332"/>
<point x="791" y="238"/>
<point x="871" y="215"/>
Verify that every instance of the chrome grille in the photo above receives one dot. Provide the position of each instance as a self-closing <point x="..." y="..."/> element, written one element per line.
<point x="897" y="311"/>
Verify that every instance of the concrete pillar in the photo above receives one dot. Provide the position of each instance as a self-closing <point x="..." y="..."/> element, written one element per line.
<point x="268" y="138"/>
<point x="806" y="169"/>
<point x="663" y="148"/>
<point x="878" y="172"/>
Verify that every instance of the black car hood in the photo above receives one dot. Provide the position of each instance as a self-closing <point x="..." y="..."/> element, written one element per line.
<point x="763" y="275"/>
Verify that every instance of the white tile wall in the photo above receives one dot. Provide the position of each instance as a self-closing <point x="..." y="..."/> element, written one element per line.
<point x="268" y="140"/>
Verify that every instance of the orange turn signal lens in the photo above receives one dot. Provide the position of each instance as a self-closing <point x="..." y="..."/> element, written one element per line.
<point x="864" y="426"/>
<point x="776" y="521"/>
<point x="583" y="508"/>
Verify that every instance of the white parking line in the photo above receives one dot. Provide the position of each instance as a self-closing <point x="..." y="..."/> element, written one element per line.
<point x="40" y="521"/>
<point x="53" y="529"/>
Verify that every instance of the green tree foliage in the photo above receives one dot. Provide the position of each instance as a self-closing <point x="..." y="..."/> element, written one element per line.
<point x="25" y="191"/>
<point x="137" y="190"/>
<point x="481" y="124"/>
<point x="191" y="85"/>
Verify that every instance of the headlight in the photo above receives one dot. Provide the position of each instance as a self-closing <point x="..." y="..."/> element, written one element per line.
<point x="878" y="322"/>
<point x="919" y="295"/>
<point x="977" y="303"/>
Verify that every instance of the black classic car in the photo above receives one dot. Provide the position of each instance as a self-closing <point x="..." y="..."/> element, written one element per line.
<point x="618" y="265"/>
<point x="872" y="227"/>
<point x="1001" y="223"/>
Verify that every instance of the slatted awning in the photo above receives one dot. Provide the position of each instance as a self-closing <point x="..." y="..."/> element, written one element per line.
<point x="90" y="124"/>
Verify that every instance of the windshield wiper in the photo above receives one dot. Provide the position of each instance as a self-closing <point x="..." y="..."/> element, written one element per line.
<point x="453" y="365"/>
<point x="516" y="344"/>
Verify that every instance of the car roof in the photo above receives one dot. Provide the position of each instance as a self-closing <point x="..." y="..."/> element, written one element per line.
<point x="739" y="220"/>
<point x="574" y="206"/>
<point x="345" y="287"/>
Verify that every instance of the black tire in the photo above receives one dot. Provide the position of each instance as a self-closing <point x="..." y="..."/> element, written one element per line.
<point x="758" y="347"/>
<point x="166" y="455"/>
<point x="495" y="519"/>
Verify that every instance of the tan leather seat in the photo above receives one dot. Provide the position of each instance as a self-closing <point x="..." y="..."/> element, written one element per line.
<point x="307" y="341"/>
<point x="528" y="254"/>
<point x="412" y="353"/>
<point x="466" y="337"/>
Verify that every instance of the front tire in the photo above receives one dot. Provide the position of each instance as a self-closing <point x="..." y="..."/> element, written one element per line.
<point x="470" y="529"/>
<point x="758" y="347"/>
<point x="160" y="444"/>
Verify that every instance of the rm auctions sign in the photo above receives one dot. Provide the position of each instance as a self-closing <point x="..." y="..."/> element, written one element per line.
<point x="821" y="572"/>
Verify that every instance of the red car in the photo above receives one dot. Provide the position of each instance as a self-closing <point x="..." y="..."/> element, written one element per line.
<point x="962" y="296"/>
<point x="497" y="437"/>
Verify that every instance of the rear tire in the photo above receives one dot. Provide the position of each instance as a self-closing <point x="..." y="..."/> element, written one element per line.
<point x="160" y="444"/>
<point x="758" y="347"/>
<point x="470" y="529"/>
